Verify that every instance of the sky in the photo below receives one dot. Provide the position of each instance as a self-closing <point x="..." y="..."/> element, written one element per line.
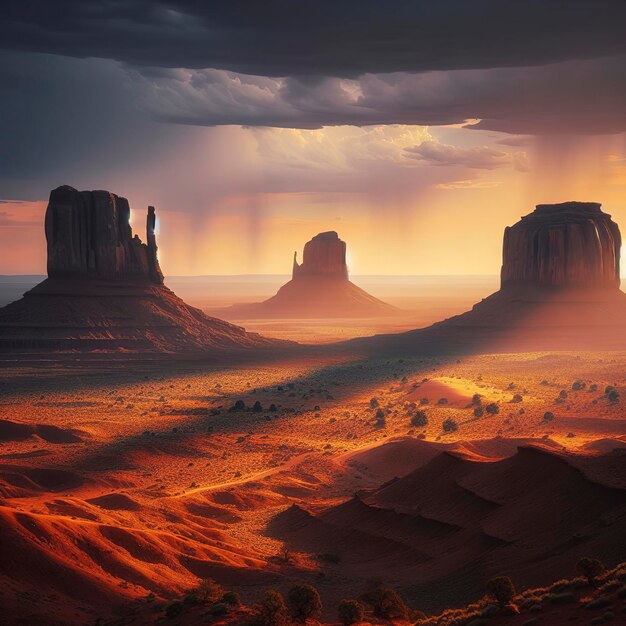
<point x="416" y="129"/>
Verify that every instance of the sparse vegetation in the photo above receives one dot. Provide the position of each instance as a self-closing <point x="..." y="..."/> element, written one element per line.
<point x="304" y="603"/>
<point x="385" y="602"/>
<point x="231" y="598"/>
<point x="613" y="396"/>
<point x="590" y="569"/>
<point x="271" y="610"/>
<point x="450" y="425"/>
<point x="350" y="612"/>
<point x="501" y="589"/>
<point x="419" y="419"/>
<point x="492" y="408"/>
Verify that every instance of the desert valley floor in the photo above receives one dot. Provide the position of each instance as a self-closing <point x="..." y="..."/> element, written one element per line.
<point x="123" y="484"/>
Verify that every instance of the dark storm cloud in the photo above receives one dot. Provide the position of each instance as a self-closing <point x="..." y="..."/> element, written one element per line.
<point x="581" y="97"/>
<point x="65" y="120"/>
<point x="319" y="37"/>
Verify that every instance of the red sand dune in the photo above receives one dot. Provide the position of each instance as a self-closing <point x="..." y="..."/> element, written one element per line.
<point x="453" y="522"/>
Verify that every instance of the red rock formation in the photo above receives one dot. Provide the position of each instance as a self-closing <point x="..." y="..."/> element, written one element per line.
<point x="105" y="292"/>
<point x="319" y="288"/>
<point x="559" y="291"/>
<point x="572" y="244"/>
<point x="89" y="236"/>
<point x="324" y="255"/>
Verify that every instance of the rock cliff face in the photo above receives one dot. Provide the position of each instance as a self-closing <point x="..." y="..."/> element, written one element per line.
<point x="104" y="292"/>
<point x="324" y="255"/>
<point x="89" y="236"/>
<point x="573" y="244"/>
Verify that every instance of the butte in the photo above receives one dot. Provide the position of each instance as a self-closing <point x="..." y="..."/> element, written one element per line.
<point x="319" y="287"/>
<point x="560" y="290"/>
<point x="105" y="293"/>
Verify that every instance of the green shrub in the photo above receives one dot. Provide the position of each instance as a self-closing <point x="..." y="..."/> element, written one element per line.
<point x="590" y="569"/>
<point x="613" y="396"/>
<point x="501" y="589"/>
<point x="304" y="603"/>
<point x="231" y="598"/>
<point x="350" y="612"/>
<point x="450" y="425"/>
<point x="385" y="602"/>
<point x="419" y="419"/>
<point x="271" y="610"/>
<point x="219" y="610"/>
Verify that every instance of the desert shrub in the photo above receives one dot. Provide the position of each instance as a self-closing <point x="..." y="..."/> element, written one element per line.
<point x="492" y="408"/>
<point x="174" y="609"/>
<point x="548" y="416"/>
<point x="562" y="394"/>
<point x="501" y="589"/>
<point x="385" y="602"/>
<point x="419" y="419"/>
<point x="271" y="610"/>
<point x="477" y="399"/>
<point x="374" y="403"/>
<point x="590" y="569"/>
<point x="207" y="591"/>
<point x="350" y="612"/>
<point x="479" y="411"/>
<point x="273" y="408"/>
<point x="517" y="398"/>
<point x="593" y="388"/>
<point x="219" y="610"/>
<point x="450" y="425"/>
<point x="257" y="408"/>
<point x="613" y="396"/>
<point x="231" y="598"/>
<point x="578" y="385"/>
<point x="380" y="417"/>
<point x="424" y="401"/>
<point x="442" y="401"/>
<point x="608" y="389"/>
<point x="304" y="603"/>
<point x="239" y="405"/>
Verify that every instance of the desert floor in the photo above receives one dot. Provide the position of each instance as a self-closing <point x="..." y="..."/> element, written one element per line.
<point x="123" y="483"/>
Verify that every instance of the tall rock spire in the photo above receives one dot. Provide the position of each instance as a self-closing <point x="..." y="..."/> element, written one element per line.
<point x="153" y="263"/>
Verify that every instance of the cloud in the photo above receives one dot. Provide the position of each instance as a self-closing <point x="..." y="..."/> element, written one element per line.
<point x="469" y="184"/>
<point x="479" y="157"/>
<point x="519" y="141"/>
<point x="570" y="97"/>
<point x="322" y="38"/>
